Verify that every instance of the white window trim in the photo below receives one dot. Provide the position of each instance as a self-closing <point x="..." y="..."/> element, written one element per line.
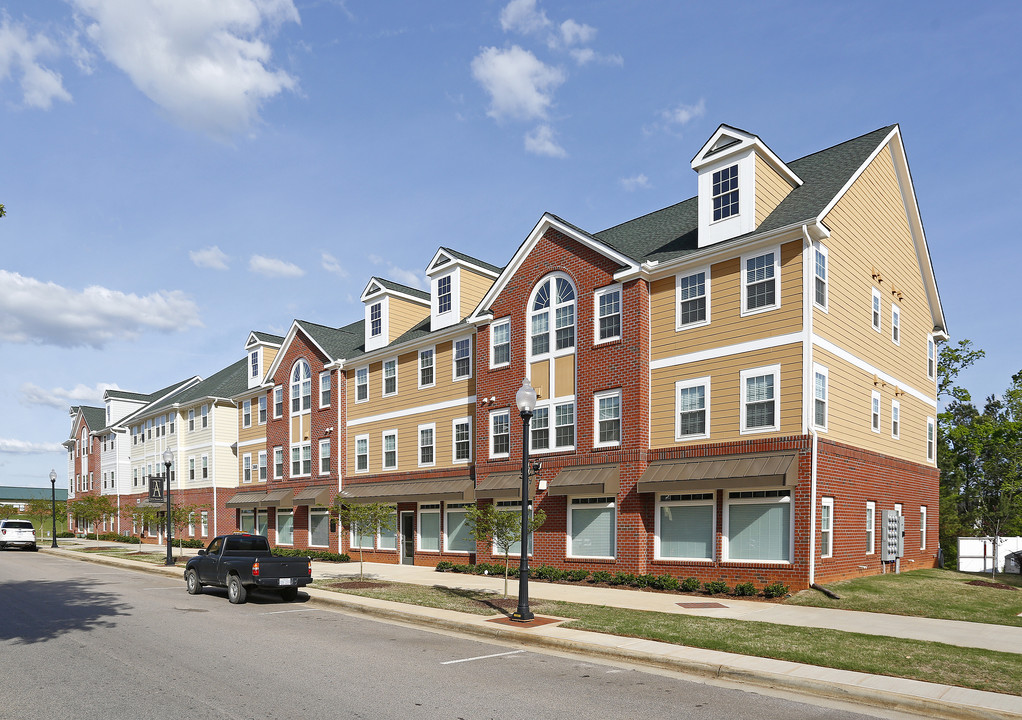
<point x="246" y="409"/>
<point x="931" y="447"/>
<point x="246" y="464"/>
<point x="895" y="414"/>
<point x="827" y="502"/>
<point x="711" y="502"/>
<point x="877" y="298"/>
<point x="567" y="534"/>
<point x="383" y="377"/>
<point x="931" y="346"/>
<point x="261" y="410"/>
<point x="383" y="450"/>
<point x="203" y="523"/>
<point x="493" y="325"/>
<point x="775" y="370"/>
<point x="493" y="415"/>
<point x="278" y="389"/>
<point x="450" y="277"/>
<point x="419" y="445"/>
<point x="895" y="324"/>
<point x="319" y="511"/>
<point x="819" y="247"/>
<point x="283" y="463"/>
<point x="354" y="544"/>
<point x="276" y="525"/>
<point x="552" y="351"/>
<point x="551" y="428"/>
<point x="922" y="527"/>
<point x="261" y="466"/>
<point x="514" y="506"/>
<point x="418" y="367"/>
<point x="445" y="530"/>
<point x="871" y="527"/>
<point x="619" y="289"/>
<point x="874" y="399"/>
<point x="776" y="250"/>
<point x="725" y="553"/>
<point x="355" y="454"/>
<point x="425" y="508"/>
<point x="356" y="383"/>
<point x="454" y="359"/>
<point x="325" y="374"/>
<point x="684" y="385"/>
<point x="454" y="427"/>
<point x="320" y="456"/>
<point x="596" y="419"/>
<point x="678" y="325"/>
<point x="821" y="370"/>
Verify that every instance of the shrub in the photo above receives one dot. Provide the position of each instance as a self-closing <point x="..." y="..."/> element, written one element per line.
<point x="324" y="555"/>
<point x="549" y="573"/>
<point x="117" y="537"/>
<point x="623" y="579"/>
<point x="641" y="581"/>
<point x="690" y="584"/>
<point x="444" y="566"/>
<point x="663" y="582"/>
<point x="716" y="587"/>
<point x="775" y="590"/>
<point x="187" y="543"/>
<point x="65" y="534"/>
<point x="600" y="576"/>
<point x="466" y="569"/>
<point x="745" y="589"/>
<point x="578" y="575"/>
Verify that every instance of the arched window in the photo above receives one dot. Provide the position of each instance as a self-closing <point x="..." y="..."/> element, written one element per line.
<point x="301" y="387"/>
<point x="552" y="316"/>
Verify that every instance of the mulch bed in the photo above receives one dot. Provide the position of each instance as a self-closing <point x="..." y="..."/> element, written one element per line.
<point x="357" y="585"/>
<point x="987" y="583"/>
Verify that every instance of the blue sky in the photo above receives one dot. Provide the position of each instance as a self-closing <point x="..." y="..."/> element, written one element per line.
<point x="178" y="174"/>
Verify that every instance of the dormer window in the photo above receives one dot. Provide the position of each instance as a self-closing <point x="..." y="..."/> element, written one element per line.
<point x="253" y="359"/>
<point x="444" y="294"/>
<point x="725" y="193"/>
<point x="375" y="319"/>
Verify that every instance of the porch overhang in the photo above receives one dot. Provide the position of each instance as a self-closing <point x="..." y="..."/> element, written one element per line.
<point x="724" y="472"/>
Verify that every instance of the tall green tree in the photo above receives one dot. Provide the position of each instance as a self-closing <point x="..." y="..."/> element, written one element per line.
<point x="501" y="528"/>
<point x="365" y="519"/>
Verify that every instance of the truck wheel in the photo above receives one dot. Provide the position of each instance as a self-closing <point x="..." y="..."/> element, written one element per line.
<point x="236" y="592"/>
<point x="192" y="583"/>
<point x="289" y="594"/>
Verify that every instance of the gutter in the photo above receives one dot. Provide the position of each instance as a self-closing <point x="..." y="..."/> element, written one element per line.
<point x="807" y="392"/>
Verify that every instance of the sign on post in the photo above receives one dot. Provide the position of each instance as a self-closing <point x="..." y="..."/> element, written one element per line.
<point x="156" y="488"/>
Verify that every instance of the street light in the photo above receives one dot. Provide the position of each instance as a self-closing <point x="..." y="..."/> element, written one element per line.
<point x="53" y="504"/>
<point x="168" y="458"/>
<point x="525" y="398"/>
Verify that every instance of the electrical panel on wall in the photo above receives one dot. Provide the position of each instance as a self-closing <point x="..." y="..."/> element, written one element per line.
<point x="893" y="536"/>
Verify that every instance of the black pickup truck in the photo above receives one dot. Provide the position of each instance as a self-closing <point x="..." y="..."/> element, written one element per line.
<point x="242" y="562"/>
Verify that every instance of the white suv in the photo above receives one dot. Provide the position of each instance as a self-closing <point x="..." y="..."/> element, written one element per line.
<point x="17" y="533"/>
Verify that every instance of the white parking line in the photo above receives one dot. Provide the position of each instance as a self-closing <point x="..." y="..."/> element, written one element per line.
<point x="281" y="612"/>
<point x="482" y="657"/>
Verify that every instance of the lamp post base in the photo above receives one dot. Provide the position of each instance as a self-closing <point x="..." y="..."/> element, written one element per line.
<point x="521" y="615"/>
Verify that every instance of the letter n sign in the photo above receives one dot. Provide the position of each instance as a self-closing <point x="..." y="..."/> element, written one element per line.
<point x="156" y="487"/>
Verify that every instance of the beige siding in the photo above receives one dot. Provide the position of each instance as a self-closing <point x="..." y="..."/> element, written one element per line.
<point x="407" y="428"/>
<point x="870" y="232"/>
<point x="725" y="403"/>
<point x="404" y="315"/>
<point x="564" y="375"/>
<point x="269" y="355"/>
<point x="771" y="188"/>
<point x="256" y="431"/>
<point x="727" y="326"/>
<point x="539" y="374"/>
<point x="473" y="287"/>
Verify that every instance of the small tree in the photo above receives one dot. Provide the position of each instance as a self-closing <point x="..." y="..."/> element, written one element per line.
<point x="92" y="509"/>
<point x="142" y="516"/>
<point x="369" y="518"/>
<point x="41" y="511"/>
<point x="182" y="516"/>
<point x="502" y="528"/>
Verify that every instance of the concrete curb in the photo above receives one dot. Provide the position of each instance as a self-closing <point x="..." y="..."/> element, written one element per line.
<point x="930" y="699"/>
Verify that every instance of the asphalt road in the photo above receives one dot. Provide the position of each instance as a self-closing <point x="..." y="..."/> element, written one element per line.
<point x="79" y="640"/>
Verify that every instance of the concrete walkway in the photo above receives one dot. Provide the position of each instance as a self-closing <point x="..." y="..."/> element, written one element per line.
<point x="869" y="691"/>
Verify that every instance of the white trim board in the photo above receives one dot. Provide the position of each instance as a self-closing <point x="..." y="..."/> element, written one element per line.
<point x="724" y="351"/>
<point x="446" y="405"/>
<point x="863" y="365"/>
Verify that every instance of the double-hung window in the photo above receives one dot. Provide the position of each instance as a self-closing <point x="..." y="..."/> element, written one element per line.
<point x="760" y="399"/>
<point x="390" y="450"/>
<point x="758" y="525"/>
<point x="246" y="465"/>
<point x="262" y="465"/>
<point x="692" y="296"/>
<point x="540" y="429"/>
<point x="324" y="389"/>
<point x="361" y="384"/>
<point x="876" y="310"/>
<point x="191" y="421"/>
<point x="931" y="447"/>
<point x="389" y="377"/>
<point x="191" y="468"/>
<point x="262" y="412"/>
<point x="922" y="527"/>
<point x="443" y="295"/>
<point x="376" y="319"/>
<point x="246" y="414"/>
<point x="426" y="375"/>
<point x="324" y="457"/>
<point x="361" y="453"/>
<point x="462" y="440"/>
<point x="500" y="343"/>
<point x="875" y="411"/>
<point x="564" y="425"/>
<point x="820" y="276"/>
<point x="301" y="387"/>
<point x="462" y="358"/>
<point x="278" y="463"/>
<point x="427" y="445"/>
<point x="253" y="360"/>
<point x="608" y="313"/>
<point x="895" y="419"/>
<point x="871" y="525"/>
<point x="592" y="527"/>
<point x="500" y="433"/>
<point x="608" y="419"/>
<point x="692" y="407"/>
<point x="205" y="467"/>
<point x="826" y="527"/>
<point x="278" y="402"/>
<point x="895" y="324"/>
<point x="204" y="412"/>
<point x="759" y="282"/>
<point x="820" y="380"/>
<point x="301" y="460"/>
<point x="725" y="193"/>
<point x="931" y="358"/>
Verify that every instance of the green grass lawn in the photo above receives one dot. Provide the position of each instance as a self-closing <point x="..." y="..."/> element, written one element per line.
<point x="943" y="594"/>
<point x="878" y="655"/>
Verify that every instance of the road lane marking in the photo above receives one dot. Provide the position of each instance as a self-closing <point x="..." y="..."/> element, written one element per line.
<point x="173" y="587"/>
<point x="281" y="612"/>
<point x="482" y="657"/>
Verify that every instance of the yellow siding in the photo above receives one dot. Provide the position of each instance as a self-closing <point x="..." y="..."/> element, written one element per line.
<point x="727" y="326"/>
<point x="473" y="287"/>
<point x="725" y="404"/>
<point x="404" y="315"/>
<point x="408" y="440"/>
<point x="771" y="188"/>
<point x="564" y="375"/>
<point x="269" y="355"/>
<point x="256" y="431"/>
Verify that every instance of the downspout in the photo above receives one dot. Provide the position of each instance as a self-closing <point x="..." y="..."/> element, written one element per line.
<point x="212" y="466"/>
<point x="807" y="392"/>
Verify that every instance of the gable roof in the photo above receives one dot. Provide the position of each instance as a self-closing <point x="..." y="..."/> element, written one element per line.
<point x="21" y="494"/>
<point x="466" y="259"/>
<point x="255" y="337"/>
<point x="222" y="384"/>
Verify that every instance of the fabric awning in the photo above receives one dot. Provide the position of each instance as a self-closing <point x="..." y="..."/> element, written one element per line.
<point x="277" y="498"/>
<point x="503" y="485"/>
<point x="389" y="491"/>
<point x="321" y="495"/>
<point x="158" y="504"/>
<point x="711" y="473"/>
<point x="587" y="480"/>
<point x="247" y="500"/>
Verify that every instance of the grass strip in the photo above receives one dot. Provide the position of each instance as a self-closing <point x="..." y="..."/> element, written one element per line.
<point x="877" y="655"/>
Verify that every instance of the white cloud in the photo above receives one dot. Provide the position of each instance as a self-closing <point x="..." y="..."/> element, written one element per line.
<point x="411" y="278"/>
<point x="573" y="33"/>
<point x="520" y="85"/>
<point x="272" y="267"/>
<point x="636" y="182"/>
<point x="24" y="447"/>
<point x="541" y="142"/>
<point x="211" y="257"/>
<point x="61" y="398"/>
<point x="32" y="311"/>
<point x="333" y="265"/>
<point x="684" y="114"/>
<point x="207" y="64"/>
<point x="523" y="17"/>
<point x="40" y="86"/>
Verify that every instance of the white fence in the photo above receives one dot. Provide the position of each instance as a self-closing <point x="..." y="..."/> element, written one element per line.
<point x="975" y="554"/>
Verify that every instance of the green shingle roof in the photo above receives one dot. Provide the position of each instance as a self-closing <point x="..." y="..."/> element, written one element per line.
<point x="225" y="383"/>
<point x="469" y="259"/>
<point x="339" y="342"/>
<point x="11" y="493"/>
<point x="95" y="417"/>
<point x="398" y="287"/>
<point x="267" y="337"/>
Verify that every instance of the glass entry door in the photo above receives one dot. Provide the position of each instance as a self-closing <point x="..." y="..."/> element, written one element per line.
<point x="408" y="538"/>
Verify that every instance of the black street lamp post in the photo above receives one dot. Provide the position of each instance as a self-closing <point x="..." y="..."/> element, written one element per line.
<point x="525" y="398"/>
<point x="53" y="505"/>
<point x="168" y="458"/>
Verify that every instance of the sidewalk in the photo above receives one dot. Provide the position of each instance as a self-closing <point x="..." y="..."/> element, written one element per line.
<point x="875" y="691"/>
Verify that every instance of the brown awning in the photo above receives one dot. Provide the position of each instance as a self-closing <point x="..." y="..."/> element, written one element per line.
<point x="503" y="485"/>
<point x="246" y="500"/>
<point x="158" y="504"/>
<point x="586" y="480"/>
<point x="388" y="491"/>
<point x="321" y="495"/>
<point x="277" y="498"/>
<point x="711" y="473"/>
